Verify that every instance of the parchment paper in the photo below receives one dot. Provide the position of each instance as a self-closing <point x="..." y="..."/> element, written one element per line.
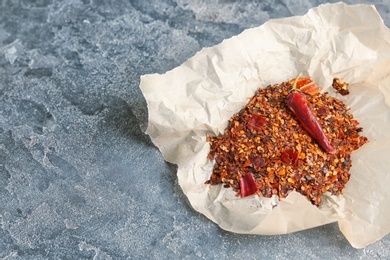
<point x="197" y="99"/>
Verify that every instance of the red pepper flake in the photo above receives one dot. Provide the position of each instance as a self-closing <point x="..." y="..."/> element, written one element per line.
<point x="266" y="150"/>
<point x="290" y="157"/>
<point x="248" y="185"/>
<point x="257" y="162"/>
<point x="256" y="122"/>
<point x="323" y="111"/>
<point x="306" y="85"/>
<point x="340" y="87"/>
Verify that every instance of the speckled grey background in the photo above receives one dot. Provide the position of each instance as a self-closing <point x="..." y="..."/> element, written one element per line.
<point x="78" y="178"/>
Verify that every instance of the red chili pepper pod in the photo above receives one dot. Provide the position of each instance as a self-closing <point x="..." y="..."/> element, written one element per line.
<point x="297" y="102"/>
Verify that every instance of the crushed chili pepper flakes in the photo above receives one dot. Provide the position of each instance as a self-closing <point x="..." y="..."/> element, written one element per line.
<point x="340" y="87"/>
<point x="265" y="140"/>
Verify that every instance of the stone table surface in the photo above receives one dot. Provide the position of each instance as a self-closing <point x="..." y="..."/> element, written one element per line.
<point x="79" y="179"/>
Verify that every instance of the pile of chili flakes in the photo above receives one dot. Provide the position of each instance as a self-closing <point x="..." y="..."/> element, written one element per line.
<point x="264" y="139"/>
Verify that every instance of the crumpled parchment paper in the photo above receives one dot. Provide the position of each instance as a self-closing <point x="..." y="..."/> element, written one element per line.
<point x="197" y="99"/>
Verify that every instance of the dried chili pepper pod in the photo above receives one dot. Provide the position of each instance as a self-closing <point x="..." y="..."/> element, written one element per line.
<point x="297" y="102"/>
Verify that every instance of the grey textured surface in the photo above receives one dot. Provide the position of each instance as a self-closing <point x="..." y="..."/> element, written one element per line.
<point x="78" y="178"/>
